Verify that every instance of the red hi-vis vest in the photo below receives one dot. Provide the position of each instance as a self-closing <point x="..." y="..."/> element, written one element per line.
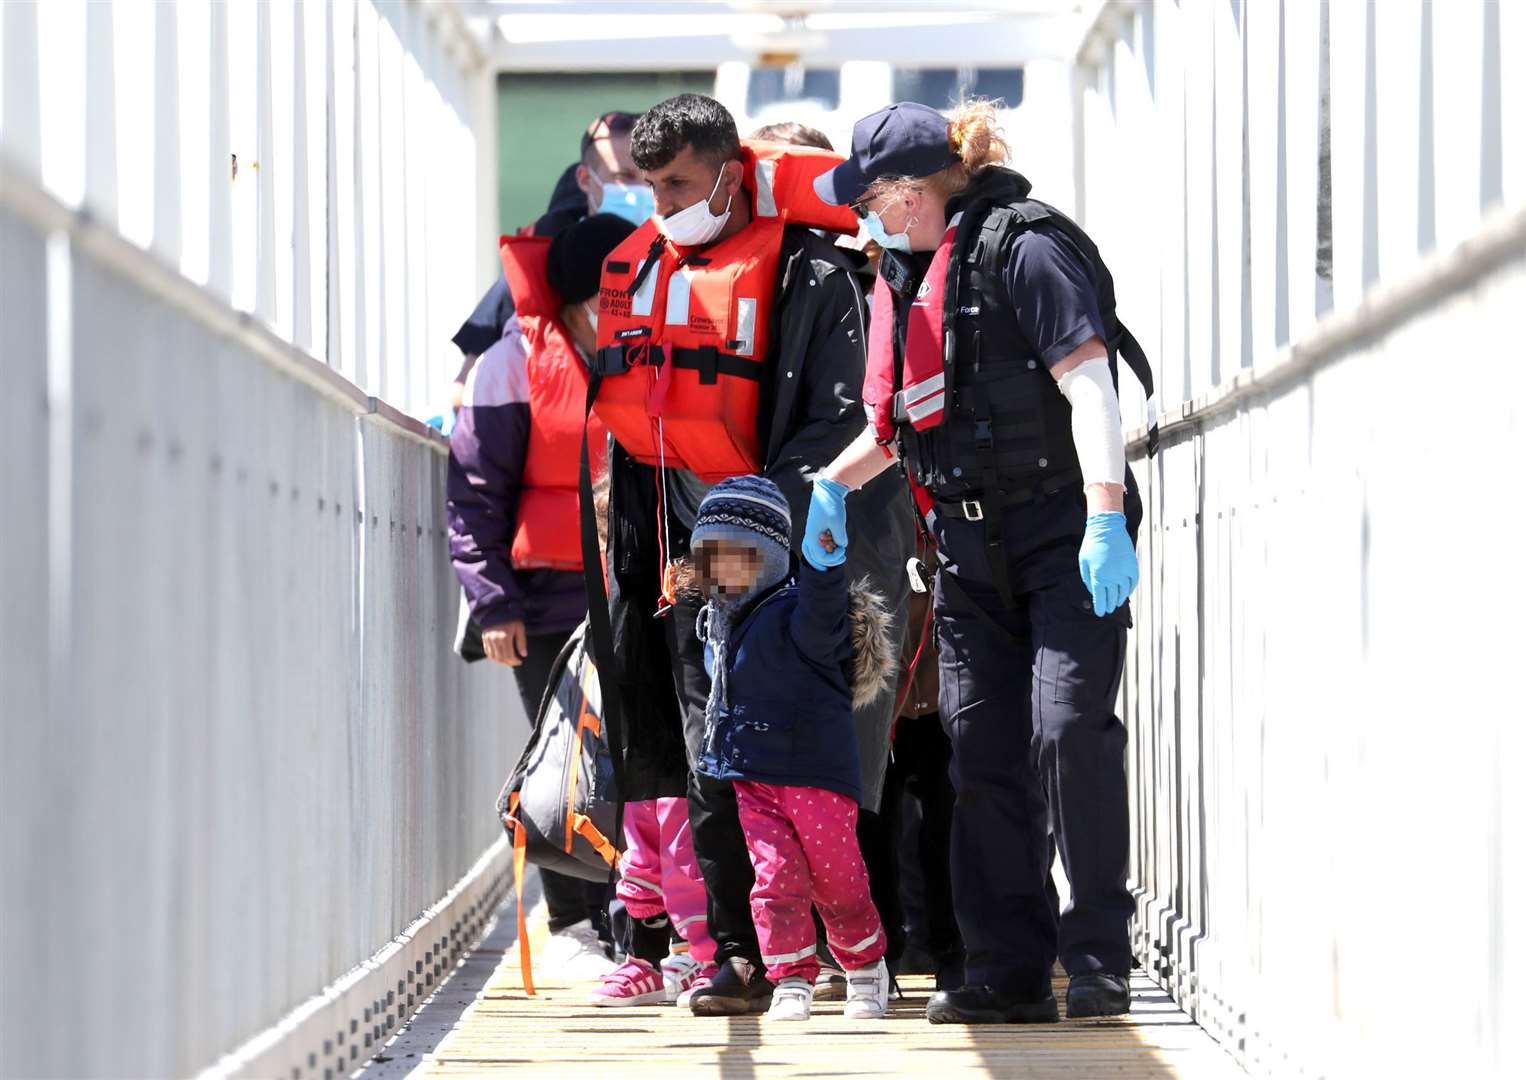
<point x="923" y="359"/>
<point x="682" y="344"/>
<point x="546" y="533"/>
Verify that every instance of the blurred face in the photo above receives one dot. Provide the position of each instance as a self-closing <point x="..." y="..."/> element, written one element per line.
<point x="608" y="161"/>
<point x="687" y="180"/>
<point x="726" y="567"/>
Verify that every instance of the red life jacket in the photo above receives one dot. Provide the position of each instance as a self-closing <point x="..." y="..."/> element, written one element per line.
<point x="920" y="399"/>
<point x="546" y="533"/>
<point x="683" y="344"/>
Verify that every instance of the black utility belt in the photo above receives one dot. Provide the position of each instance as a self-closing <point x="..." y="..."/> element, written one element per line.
<point x="975" y="506"/>
<point x="708" y="360"/>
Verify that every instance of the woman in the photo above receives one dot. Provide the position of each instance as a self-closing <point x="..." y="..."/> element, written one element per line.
<point x="512" y="498"/>
<point x="991" y="379"/>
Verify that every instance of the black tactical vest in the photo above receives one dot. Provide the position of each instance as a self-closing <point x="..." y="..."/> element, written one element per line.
<point x="1005" y="437"/>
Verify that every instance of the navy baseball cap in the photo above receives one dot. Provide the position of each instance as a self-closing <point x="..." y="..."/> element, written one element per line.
<point x="905" y="139"/>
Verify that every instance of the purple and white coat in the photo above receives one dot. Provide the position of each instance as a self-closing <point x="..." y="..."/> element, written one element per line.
<point x="482" y="486"/>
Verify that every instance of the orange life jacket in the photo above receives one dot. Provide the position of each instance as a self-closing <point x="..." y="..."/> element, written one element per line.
<point x="546" y="532"/>
<point x="682" y="345"/>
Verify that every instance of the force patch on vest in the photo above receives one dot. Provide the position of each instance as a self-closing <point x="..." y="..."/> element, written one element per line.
<point x="970" y="309"/>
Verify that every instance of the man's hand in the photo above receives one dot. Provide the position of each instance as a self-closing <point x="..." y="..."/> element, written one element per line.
<point x="506" y="643"/>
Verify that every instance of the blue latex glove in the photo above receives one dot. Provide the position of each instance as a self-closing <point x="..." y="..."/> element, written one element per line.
<point x="828" y="512"/>
<point x="1109" y="567"/>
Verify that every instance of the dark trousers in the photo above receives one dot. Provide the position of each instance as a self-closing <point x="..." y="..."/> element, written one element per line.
<point x="919" y="766"/>
<point x="721" y="851"/>
<point x="1027" y="695"/>
<point x="720" y="848"/>
<point x="569" y="900"/>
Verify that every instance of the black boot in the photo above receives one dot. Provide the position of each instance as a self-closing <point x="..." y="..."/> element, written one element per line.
<point x="1097" y="994"/>
<point x="983" y="1005"/>
<point x="738" y="988"/>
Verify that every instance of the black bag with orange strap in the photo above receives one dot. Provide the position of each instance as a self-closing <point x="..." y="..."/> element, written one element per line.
<point x="558" y="804"/>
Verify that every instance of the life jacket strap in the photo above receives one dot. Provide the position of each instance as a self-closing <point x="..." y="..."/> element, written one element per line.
<point x="710" y="362"/>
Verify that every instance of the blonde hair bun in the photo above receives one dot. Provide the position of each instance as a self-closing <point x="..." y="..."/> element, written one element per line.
<point x="975" y="135"/>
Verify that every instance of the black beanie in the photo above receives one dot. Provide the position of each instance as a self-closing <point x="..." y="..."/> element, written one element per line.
<point x="577" y="254"/>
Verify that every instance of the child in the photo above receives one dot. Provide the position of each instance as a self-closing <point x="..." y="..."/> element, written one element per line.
<point x="660" y="885"/>
<point x="786" y="663"/>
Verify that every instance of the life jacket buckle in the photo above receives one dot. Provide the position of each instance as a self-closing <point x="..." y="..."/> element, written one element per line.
<point x="972" y="510"/>
<point x="984" y="439"/>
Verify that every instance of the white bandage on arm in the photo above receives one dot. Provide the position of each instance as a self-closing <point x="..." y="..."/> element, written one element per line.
<point x="1096" y="423"/>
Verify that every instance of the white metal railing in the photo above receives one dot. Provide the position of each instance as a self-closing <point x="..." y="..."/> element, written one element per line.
<point x="246" y="784"/>
<point x="315" y="163"/>
<point x="1316" y="215"/>
<point x="1201" y="129"/>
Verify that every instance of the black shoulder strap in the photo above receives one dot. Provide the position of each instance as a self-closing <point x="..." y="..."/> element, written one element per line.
<point x="601" y="636"/>
<point x="1005" y="222"/>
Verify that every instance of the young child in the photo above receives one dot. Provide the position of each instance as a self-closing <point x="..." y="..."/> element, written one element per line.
<point x="787" y="662"/>
<point x="660" y="885"/>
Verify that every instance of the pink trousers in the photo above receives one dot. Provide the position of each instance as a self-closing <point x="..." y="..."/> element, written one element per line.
<point x="804" y="850"/>
<point x="658" y="872"/>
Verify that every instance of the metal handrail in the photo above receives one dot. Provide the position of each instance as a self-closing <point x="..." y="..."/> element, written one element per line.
<point x="26" y="197"/>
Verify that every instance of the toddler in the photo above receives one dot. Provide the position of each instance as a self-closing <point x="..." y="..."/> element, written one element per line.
<point x="787" y="662"/>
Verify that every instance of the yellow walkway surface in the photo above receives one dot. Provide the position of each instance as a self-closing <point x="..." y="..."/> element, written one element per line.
<point x="556" y="1035"/>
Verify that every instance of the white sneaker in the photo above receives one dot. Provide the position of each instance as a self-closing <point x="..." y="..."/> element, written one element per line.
<point x="681" y="973"/>
<point x="576" y="954"/>
<point x="868" y="993"/>
<point x="792" y="1000"/>
<point x="701" y="980"/>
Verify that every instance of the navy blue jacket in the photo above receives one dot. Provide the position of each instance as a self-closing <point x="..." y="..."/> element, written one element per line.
<point x="788" y="717"/>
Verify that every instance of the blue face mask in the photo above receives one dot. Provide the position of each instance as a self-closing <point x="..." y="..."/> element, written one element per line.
<point x="900" y="241"/>
<point x="633" y="202"/>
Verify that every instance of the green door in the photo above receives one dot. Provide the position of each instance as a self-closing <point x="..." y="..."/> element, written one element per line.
<point x="541" y="119"/>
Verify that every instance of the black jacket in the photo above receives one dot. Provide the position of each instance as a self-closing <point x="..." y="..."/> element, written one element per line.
<point x="816" y="410"/>
<point x="811" y="409"/>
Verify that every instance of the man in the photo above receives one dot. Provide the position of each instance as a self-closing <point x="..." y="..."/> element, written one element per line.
<point x="579" y="921"/>
<point x="808" y="409"/>
<point x="604" y="178"/>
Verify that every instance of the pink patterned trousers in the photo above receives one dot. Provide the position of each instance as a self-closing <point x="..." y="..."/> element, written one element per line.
<point x="658" y="872"/>
<point x="804" y="850"/>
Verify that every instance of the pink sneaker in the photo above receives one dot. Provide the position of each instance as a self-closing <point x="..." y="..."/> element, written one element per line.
<point x="634" y="982"/>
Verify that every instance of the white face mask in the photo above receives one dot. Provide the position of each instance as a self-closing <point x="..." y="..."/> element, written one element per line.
<point x="900" y="241"/>
<point x="593" y="316"/>
<point x="695" y="224"/>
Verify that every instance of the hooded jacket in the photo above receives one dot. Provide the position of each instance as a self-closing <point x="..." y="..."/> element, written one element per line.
<point x="801" y="658"/>
<point x="483" y="482"/>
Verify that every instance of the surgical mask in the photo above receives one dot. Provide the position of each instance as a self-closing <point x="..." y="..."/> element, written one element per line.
<point x="593" y="316"/>
<point x="633" y="202"/>
<point x="695" y="224"/>
<point x="900" y="241"/>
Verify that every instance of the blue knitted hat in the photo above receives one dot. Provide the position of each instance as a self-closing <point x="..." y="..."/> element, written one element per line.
<point x="749" y="510"/>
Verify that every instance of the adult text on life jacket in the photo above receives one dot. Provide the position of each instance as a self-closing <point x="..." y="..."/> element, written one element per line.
<point x="546" y="528"/>
<point x="684" y="332"/>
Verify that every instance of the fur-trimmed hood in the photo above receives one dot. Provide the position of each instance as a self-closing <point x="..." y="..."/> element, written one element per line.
<point x="874" y="653"/>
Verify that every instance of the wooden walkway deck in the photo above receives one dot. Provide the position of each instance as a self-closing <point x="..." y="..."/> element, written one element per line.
<point x="554" y="1035"/>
